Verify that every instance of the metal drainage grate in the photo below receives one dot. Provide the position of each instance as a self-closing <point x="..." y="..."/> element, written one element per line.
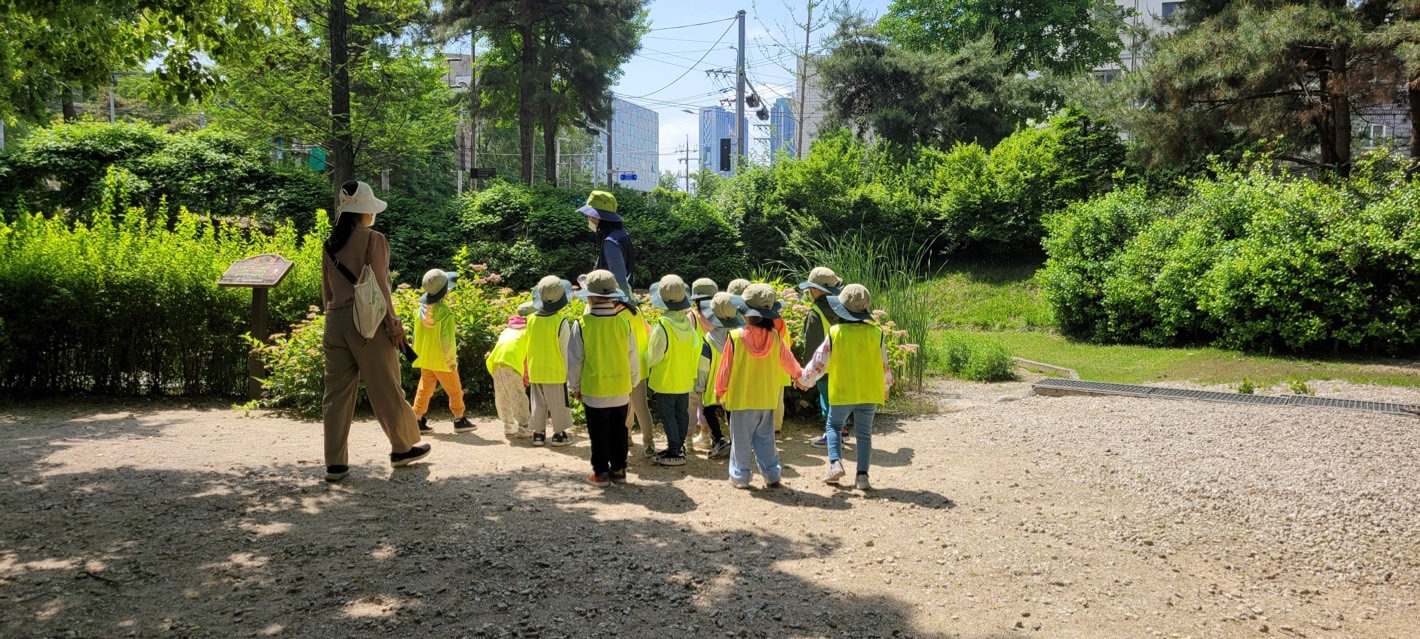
<point x="1057" y="387"/>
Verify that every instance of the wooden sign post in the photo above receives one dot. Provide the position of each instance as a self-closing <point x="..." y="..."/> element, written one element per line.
<point x="258" y="274"/>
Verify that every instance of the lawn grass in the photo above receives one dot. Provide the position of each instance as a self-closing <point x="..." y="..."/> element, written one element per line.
<point x="1006" y="302"/>
<point x="1142" y="364"/>
<point x="993" y="298"/>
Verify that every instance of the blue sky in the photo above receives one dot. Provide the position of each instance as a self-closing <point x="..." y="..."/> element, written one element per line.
<point x="668" y="74"/>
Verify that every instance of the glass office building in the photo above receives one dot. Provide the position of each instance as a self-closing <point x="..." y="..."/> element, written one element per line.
<point x="636" y="140"/>
<point x="716" y="125"/>
<point x="783" y="129"/>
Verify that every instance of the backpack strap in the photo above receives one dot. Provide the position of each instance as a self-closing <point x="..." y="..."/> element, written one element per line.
<point x="341" y="267"/>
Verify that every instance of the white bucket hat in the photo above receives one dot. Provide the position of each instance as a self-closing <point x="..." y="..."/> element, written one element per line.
<point x="358" y="197"/>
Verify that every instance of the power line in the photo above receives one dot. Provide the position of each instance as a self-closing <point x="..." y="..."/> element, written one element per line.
<point x="687" y="72"/>
<point x="686" y="26"/>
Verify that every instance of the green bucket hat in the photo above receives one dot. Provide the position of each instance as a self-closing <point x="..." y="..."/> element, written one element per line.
<point x="602" y="283"/>
<point x="722" y="310"/>
<point x="669" y="294"/>
<point x="760" y="300"/>
<point x="551" y="294"/>
<point x="602" y="206"/>
<point x="854" y="304"/>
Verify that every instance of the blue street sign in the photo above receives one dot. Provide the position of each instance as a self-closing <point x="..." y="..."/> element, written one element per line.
<point x="628" y="177"/>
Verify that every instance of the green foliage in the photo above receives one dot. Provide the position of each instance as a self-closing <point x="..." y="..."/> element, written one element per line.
<point x="1246" y="387"/>
<point x="1062" y="36"/>
<point x="890" y="272"/>
<point x="202" y="170"/>
<point x="1250" y="260"/>
<point x="128" y="302"/>
<point x="1299" y="387"/>
<point x="973" y="357"/>
<point x="51" y="46"/>
<point x="401" y="109"/>
<point x="525" y="233"/>
<point x="911" y="97"/>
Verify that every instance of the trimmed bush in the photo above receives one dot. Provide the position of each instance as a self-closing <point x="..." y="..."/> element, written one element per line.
<point x="63" y="168"/>
<point x="1250" y="260"/>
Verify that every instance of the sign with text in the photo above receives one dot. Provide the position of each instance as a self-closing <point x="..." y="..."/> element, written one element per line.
<point x="628" y="177"/>
<point x="485" y="173"/>
<point x="262" y="271"/>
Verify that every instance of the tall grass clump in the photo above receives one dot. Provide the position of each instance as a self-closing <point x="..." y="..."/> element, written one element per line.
<point x="973" y="357"/>
<point x="128" y="302"/>
<point x="890" y="270"/>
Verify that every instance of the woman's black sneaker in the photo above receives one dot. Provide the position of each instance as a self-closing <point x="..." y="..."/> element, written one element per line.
<point x="424" y="427"/>
<point x="336" y="472"/>
<point x="418" y="452"/>
<point x="539" y="439"/>
<point x="668" y="458"/>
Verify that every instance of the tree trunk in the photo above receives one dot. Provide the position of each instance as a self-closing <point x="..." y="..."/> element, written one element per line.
<point x="342" y="145"/>
<point x="1341" y="110"/>
<point x="1412" y="92"/>
<point x="527" y="111"/>
<point x="66" y="104"/>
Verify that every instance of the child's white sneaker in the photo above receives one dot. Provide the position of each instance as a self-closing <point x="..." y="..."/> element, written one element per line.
<point x="510" y="430"/>
<point x="861" y="483"/>
<point x="835" y="472"/>
<point x="524" y="432"/>
<point x="701" y="440"/>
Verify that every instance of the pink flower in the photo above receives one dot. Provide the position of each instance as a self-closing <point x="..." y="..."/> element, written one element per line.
<point x="493" y="278"/>
<point x="478" y="268"/>
<point x="880" y="313"/>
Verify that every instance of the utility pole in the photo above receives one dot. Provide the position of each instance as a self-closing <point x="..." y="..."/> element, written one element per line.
<point x="112" y="89"/>
<point x="740" y="95"/>
<point x="687" y="164"/>
<point x="610" y="176"/>
<point x="473" y="104"/>
<point x="804" y="84"/>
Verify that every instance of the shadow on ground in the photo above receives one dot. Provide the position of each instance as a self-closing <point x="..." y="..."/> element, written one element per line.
<point x="273" y="550"/>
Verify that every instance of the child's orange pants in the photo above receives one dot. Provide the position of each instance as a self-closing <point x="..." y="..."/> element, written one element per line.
<point x="452" y="387"/>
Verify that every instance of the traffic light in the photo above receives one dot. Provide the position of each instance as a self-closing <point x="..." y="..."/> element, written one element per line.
<point x="724" y="155"/>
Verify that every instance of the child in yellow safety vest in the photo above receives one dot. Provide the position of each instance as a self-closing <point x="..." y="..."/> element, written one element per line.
<point x="701" y="291"/>
<point x="821" y="283"/>
<point x="436" y="351"/>
<point x="507" y="363"/>
<point x="718" y="315"/>
<point x="548" y="335"/>
<point x="748" y="378"/>
<point x="673" y="356"/>
<point x="640" y="410"/>
<point x="603" y="367"/>
<point x="854" y="358"/>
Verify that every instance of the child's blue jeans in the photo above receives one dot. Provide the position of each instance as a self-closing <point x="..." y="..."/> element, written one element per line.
<point x="862" y="429"/>
<point x="752" y="434"/>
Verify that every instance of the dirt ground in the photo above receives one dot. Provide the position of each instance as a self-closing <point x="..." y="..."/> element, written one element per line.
<point x="163" y="519"/>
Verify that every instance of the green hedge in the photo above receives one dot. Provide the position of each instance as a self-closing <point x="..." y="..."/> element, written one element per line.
<point x="1250" y="260"/>
<point x="128" y="302"/>
<point x="525" y="233"/>
<point x="63" y="167"/>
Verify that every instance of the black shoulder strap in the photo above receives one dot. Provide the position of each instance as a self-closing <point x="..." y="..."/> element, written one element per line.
<point x="341" y="267"/>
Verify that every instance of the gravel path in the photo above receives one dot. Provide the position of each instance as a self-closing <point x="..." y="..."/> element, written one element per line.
<point x="1048" y="517"/>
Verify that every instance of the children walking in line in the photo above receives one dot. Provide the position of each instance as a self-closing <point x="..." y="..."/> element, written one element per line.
<point x="436" y="347"/>
<point x="700" y="291"/>
<point x="822" y="283"/>
<point x="548" y="337"/>
<point x="507" y="363"/>
<point x="674" y="357"/>
<point x="748" y="378"/>
<point x="854" y="360"/>
<point x="602" y="368"/>
<point x="720" y="315"/>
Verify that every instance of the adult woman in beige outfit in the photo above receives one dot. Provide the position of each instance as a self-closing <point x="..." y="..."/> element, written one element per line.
<point x="348" y="355"/>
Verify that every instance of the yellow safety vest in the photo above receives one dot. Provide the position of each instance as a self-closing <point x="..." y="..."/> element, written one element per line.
<point x="754" y="381"/>
<point x="716" y="355"/>
<point x="545" y="362"/>
<point x="855" y="367"/>
<point x="511" y="350"/>
<point x="641" y="332"/>
<point x="676" y="372"/>
<point x="605" y="369"/>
